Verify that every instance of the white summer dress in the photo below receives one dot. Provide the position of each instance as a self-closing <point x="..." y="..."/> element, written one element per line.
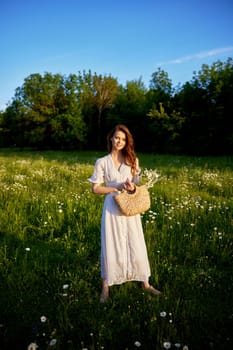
<point x="123" y="249"/>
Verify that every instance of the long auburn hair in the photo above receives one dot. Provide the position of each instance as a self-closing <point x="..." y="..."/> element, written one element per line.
<point x="128" y="151"/>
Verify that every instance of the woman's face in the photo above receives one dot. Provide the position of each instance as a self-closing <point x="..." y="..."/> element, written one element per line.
<point x="118" y="141"/>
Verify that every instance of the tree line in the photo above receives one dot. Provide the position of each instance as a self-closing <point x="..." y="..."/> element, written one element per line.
<point x="54" y="111"/>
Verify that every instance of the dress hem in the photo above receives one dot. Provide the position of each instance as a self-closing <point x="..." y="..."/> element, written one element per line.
<point x="118" y="282"/>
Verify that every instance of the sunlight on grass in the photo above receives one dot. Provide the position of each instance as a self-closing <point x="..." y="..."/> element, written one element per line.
<point x="50" y="245"/>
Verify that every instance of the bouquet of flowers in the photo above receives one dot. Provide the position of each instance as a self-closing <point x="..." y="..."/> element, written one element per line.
<point x="151" y="177"/>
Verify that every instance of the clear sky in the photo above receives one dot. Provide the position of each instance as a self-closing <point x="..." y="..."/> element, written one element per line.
<point x="128" y="39"/>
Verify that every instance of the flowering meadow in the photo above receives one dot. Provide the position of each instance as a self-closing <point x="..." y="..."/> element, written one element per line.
<point x="50" y="246"/>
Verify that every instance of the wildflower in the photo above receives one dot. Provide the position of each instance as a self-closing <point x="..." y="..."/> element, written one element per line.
<point x="137" y="344"/>
<point x="65" y="286"/>
<point x="177" y="345"/>
<point x="163" y="314"/>
<point x="43" y="319"/>
<point x="32" y="346"/>
<point x="152" y="177"/>
<point x="167" y="345"/>
<point x="53" y="342"/>
<point x="185" y="347"/>
<point x="27" y="249"/>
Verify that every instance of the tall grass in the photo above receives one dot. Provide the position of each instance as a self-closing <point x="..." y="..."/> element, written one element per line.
<point x="49" y="256"/>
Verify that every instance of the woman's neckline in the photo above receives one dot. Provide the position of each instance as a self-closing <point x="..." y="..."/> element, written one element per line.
<point x="116" y="162"/>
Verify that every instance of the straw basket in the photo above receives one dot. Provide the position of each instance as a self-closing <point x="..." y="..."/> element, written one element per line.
<point x="133" y="203"/>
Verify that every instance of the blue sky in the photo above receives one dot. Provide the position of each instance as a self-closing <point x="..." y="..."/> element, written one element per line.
<point x="128" y="39"/>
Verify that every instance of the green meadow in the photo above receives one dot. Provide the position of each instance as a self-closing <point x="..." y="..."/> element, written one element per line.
<point x="50" y="246"/>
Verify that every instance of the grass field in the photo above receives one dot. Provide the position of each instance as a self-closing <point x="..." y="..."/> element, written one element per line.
<point x="50" y="245"/>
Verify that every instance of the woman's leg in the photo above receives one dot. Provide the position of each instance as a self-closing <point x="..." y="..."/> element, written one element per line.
<point x="105" y="291"/>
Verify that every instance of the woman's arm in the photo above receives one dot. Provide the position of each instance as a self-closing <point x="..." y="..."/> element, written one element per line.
<point x="136" y="178"/>
<point x="99" y="189"/>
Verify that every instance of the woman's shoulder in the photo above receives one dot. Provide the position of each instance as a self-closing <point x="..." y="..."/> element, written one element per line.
<point x="103" y="159"/>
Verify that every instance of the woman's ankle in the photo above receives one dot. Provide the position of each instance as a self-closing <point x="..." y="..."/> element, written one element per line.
<point x="145" y="284"/>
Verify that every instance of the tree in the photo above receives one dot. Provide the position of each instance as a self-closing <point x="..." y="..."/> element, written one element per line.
<point x="166" y="127"/>
<point x="207" y="103"/>
<point x="105" y="89"/>
<point x="12" y="125"/>
<point x="130" y="108"/>
<point x="68" y="128"/>
<point x="218" y="82"/>
<point x="97" y="94"/>
<point x="161" y="82"/>
<point x="165" y="120"/>
<point x="46" y="108"/>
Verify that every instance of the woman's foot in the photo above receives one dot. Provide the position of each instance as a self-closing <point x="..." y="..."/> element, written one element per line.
<point x="151" y="289"/>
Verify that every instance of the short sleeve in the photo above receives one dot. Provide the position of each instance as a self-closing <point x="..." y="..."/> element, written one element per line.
<point x="98" y="174"/>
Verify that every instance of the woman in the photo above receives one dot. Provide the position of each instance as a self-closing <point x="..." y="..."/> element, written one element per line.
<point x="123" y="250"/>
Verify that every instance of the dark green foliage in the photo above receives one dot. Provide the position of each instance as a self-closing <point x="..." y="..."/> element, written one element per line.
<point x="76" y="112"/>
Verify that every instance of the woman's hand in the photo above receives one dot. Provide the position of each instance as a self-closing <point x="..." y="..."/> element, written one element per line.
<point x="129" y="186"/>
